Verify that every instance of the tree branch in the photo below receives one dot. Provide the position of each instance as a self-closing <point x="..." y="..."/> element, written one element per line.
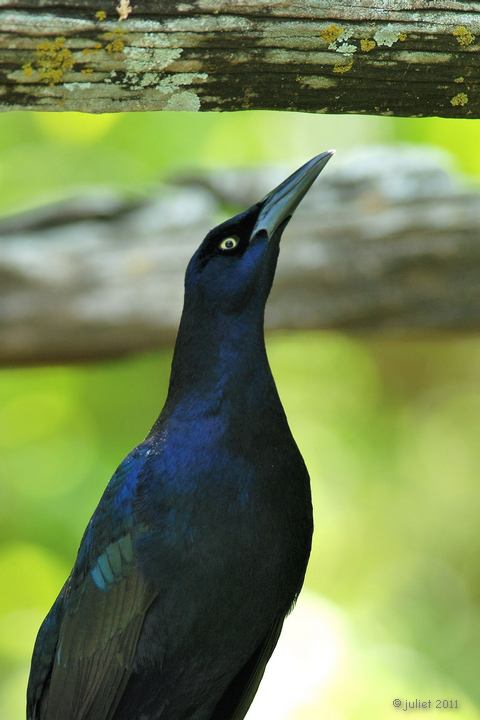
<point x="394" y="57"/>
<point x="387" y="242"/>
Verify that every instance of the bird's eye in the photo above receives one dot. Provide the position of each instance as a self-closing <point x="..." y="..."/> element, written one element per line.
<point x="229" y="243"/>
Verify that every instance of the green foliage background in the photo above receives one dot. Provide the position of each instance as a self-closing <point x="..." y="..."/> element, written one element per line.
<point x="389" y="429"/>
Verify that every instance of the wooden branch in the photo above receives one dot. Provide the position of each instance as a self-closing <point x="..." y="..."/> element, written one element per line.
<point x="394" y="57"/>
<point x="388" y="242"/>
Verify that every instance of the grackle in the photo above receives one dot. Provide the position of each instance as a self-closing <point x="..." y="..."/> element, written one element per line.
<point x="199" y="545"/>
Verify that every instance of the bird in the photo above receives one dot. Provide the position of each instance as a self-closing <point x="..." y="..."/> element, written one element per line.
<point x="198" y="548"/>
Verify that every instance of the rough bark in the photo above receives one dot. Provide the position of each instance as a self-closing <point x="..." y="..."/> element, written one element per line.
<point x="387" y="242"/>
<point x="394" y="57"/>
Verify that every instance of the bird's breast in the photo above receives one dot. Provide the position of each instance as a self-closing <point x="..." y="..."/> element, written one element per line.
<point x="235" y="523"/>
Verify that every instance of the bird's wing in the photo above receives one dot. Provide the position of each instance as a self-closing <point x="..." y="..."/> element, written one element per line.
<point x="84" y="652"/>
<point x="239" y="695"/>
<point x="42" y="660"/>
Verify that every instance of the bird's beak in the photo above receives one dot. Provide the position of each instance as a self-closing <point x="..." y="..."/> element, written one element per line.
<point x="279" y="205"/>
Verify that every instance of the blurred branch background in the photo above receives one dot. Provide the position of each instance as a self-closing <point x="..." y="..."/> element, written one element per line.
<point x="388" y="427"/>
<point x="98" y="276"/>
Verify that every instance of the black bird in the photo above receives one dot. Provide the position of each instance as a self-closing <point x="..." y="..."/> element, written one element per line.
<point x="198" y="548"/>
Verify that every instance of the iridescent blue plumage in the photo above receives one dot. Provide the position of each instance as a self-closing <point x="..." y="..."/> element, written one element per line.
<point x="199" y="545"/>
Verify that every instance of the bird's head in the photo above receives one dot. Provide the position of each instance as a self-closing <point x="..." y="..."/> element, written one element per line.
<point x="233" y="268"/>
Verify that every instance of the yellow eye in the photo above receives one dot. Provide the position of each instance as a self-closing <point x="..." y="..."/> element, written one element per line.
<point x="229" y="243"/>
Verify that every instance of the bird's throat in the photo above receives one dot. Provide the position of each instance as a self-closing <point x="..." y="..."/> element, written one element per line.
<point x="219" y="365"/>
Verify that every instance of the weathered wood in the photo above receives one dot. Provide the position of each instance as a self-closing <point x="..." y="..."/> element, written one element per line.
<point x="394" y="57"/>
<point x="387" y="242"/>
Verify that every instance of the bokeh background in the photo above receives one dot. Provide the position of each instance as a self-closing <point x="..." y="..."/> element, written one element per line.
<point x="389" y="430"/>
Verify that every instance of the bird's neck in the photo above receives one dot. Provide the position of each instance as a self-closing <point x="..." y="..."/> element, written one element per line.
<point x="220" y="365"/>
